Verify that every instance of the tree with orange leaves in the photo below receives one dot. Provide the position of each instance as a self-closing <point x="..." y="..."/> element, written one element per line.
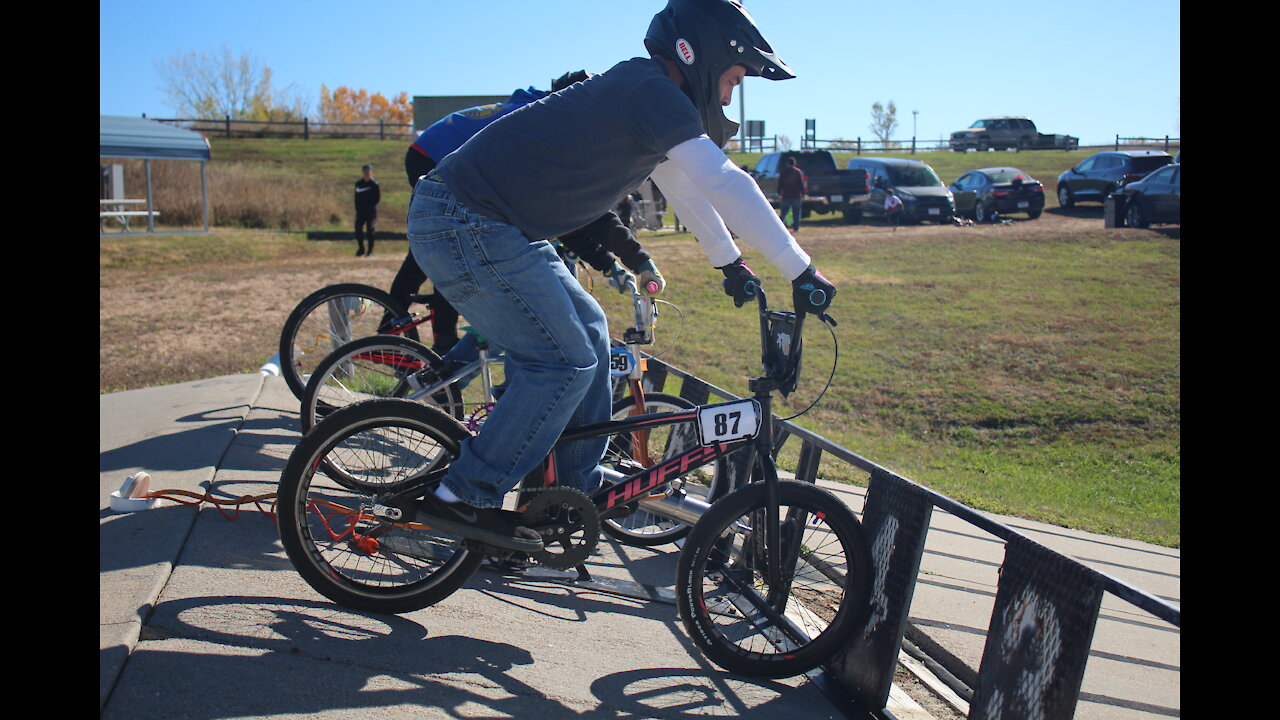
<point x="345" y="105"/>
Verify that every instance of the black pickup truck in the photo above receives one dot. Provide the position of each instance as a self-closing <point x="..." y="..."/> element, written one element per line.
<point x="1009" y="133"/>
<point x="829" y="189"/>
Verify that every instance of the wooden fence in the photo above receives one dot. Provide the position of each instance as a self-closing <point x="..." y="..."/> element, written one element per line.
<point x="914" y="145"/>
<point x="306" y="129"/>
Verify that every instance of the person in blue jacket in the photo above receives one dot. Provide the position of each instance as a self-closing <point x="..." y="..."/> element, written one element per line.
<point x="606" y="243"/>
<point x="479" y="225"/>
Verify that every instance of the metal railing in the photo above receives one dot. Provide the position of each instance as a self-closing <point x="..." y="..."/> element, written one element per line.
<point x="1034" y="580"/>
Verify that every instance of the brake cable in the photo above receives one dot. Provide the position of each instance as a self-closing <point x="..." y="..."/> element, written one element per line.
<point x="835" y="343"/>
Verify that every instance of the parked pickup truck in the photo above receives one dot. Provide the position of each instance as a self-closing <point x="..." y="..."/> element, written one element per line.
<point x="829" y="188"/>
<point x="1008" y="133"/>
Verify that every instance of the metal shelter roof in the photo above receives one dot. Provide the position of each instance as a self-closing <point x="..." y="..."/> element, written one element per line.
<point x="130" y="137"/>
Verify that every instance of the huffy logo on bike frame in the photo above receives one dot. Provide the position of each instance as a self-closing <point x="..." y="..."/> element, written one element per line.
<point x="658" y="474"/>
<point x="684" y="51"/>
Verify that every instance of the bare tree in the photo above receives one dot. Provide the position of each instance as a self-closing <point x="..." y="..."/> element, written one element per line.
<point x="205" y="85"/>
<point x="884" y="121"/>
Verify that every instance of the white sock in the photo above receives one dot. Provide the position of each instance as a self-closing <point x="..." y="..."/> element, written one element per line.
<point x="446" y="494"/>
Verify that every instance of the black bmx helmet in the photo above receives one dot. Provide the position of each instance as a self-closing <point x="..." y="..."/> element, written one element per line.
<point x="705" y="38"/>
<point x="569" y="78"/>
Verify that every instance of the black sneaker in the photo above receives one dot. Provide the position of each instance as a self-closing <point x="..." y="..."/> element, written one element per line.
<point x="491" y="526"/>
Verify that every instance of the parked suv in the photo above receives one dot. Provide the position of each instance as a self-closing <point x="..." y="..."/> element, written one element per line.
<point x="1103" y="173"/>
<point x="923" y="195"/>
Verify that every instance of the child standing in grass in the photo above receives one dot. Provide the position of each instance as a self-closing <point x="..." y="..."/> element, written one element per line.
<point x="892" y="208"/>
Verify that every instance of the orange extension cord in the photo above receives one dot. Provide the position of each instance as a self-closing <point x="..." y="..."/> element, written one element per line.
<point x="197" y="499"/>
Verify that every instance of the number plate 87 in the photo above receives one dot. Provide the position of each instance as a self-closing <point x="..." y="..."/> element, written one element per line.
<point x="726" y="422"/>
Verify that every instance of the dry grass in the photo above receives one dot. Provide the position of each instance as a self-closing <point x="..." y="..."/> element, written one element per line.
<point x="240" y="195"/>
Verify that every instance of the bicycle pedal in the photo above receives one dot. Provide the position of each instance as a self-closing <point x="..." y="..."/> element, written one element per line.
<point x="618" y="511"/>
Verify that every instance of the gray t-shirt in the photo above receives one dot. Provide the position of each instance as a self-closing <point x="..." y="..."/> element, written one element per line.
<point x="555" y="165"/>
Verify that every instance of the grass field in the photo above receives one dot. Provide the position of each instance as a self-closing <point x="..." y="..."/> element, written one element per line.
<point x="1030" y="369"/>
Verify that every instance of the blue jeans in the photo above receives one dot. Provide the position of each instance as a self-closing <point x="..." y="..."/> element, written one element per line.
<point x="521" y="297"/>
<point x="796" y="206"/>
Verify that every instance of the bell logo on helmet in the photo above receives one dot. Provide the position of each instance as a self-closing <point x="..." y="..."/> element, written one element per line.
<point x="684" y="51"/>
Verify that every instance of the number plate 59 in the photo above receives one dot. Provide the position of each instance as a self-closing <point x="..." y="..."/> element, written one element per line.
<point x="620" y="362"/>
<point x="726" y="422"/>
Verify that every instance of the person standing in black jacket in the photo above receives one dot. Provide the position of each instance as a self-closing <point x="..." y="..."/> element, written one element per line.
<point x="368" y="193"/>
<point x="792" y="186"/>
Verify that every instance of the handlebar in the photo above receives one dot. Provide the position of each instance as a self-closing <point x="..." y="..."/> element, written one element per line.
<point x="645" y="311"/>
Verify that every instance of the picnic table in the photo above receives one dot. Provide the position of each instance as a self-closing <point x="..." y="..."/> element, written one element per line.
<point x="118" y="209"/>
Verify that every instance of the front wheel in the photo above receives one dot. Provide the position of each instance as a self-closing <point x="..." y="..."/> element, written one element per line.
<point x="1064" y="197"/>
<point x="782" y="622"/>
<point x="644" y="448"/>
<point x="980" y="212"/>
<point x="330" y="317"/>
<point x="327" y="523"/>
<point x="1133" y="216"/>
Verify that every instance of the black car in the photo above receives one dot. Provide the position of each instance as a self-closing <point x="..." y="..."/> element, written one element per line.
<point x="923" y="195"/>
<point x="979" y="193"/>
<point x="1103" y="173"/>
<point x="1156" y="198"/>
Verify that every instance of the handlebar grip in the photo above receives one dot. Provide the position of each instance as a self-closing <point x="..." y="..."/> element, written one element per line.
<point x="652" y="287"/>
<point x="817" y="298"/>
<point x="750" y="287"/>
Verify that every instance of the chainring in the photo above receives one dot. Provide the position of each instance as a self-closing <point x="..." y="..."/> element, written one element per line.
<point x="568" y="523"/>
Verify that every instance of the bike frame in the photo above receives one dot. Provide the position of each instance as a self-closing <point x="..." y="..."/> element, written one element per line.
<point x="781" y="372"/>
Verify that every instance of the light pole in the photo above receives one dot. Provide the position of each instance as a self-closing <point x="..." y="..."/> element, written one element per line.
<point x="914" y="113"/>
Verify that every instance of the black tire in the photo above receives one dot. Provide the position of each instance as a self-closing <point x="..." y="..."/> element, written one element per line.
<point x="372" y="367"/>
<point x="640" y="527"/>
<point x="1033" y="214"/>
<point x="327" y="527"/>
<point x="1133" y="216"/>
<point x="1065" y="198"/>
<point x="310" y="335"/>
<point x="720" y="572"/>
<point x="980" y="212"/>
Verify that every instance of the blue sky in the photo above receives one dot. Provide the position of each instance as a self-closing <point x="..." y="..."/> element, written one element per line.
<point x="1089" y="68"/>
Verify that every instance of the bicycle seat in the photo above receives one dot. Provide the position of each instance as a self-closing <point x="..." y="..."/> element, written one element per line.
<point x="472" y="331"/>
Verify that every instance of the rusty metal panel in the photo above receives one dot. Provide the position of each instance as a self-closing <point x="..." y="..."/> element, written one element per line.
<point x="895" y="522"/>
<point x="1038" y="640"/>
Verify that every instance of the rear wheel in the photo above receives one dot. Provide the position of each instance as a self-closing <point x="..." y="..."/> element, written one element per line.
<point x="327" y="519"/>
<point x="329" y="318"/>
<point x="755" y="622"/>
<point x="372" y="367"/>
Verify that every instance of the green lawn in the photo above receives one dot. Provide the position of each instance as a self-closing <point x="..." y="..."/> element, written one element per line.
<point x="1018" y="369"/>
